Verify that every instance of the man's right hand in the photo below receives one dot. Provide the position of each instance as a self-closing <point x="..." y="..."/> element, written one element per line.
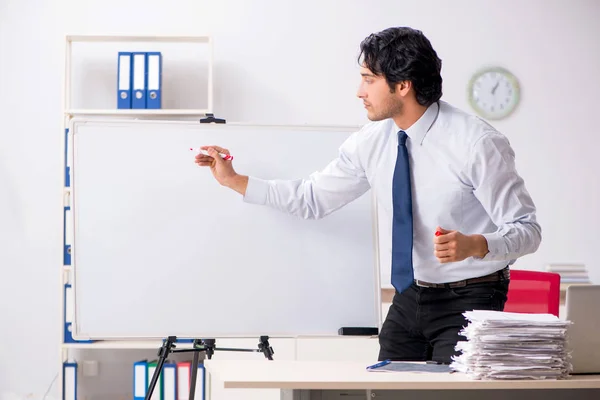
<point x="222" y="169"/>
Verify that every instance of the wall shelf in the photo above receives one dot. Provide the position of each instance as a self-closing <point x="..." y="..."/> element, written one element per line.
<point x="138" y="38"/>
<point x="70" y="39"/>
<point x="136" y="112"/>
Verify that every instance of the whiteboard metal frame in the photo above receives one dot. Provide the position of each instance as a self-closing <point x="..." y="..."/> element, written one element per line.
<point x="77" y="121"/>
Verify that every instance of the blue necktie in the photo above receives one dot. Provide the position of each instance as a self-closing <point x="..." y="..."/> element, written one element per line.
<point x="402" y="226"/>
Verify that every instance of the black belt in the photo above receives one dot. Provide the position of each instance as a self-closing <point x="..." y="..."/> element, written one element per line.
<point x="503" y="274"/>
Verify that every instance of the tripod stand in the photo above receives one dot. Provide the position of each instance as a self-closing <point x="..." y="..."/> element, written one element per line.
<point x="199" y="345"/>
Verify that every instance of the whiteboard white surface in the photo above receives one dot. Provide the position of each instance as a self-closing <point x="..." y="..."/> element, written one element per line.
<point x="160" y="248"/>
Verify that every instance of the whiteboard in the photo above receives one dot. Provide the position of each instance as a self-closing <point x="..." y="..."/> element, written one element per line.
<point x="160" y="248"/>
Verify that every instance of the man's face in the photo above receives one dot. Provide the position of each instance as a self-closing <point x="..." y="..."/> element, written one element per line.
<point x="377" y="98"/>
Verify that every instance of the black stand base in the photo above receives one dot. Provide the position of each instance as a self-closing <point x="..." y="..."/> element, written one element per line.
<point x="206" y="345"/>
<point x="210" y="118"/>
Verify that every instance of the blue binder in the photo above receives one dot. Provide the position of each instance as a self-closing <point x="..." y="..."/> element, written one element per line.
<point x="140" y="379"/>
<point x="66" y="238"/>
<point x="157" y="394"/>
<point x="169" y="381"/>
<point x="69" y="381"/>
<point x="67" y="160"/>
<point x="200" y="383"/>
<point x="140" y="79"/>
<point x="154" y="80"/>
<point x="124" y="80"/>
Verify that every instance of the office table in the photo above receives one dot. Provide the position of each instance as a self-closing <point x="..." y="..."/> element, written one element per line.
<point x="318" y="380"/>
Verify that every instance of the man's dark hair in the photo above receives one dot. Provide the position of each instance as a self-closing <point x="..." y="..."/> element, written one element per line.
<point x="404" y="54"/>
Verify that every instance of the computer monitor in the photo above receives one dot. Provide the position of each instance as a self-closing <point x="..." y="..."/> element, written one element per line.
<point x="582" y="303"/>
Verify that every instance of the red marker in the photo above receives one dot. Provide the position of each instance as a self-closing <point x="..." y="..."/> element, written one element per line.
<point x="438" y="233"/>
<point x="228" y="157"/>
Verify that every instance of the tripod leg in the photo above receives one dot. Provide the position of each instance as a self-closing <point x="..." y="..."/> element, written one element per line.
<point x="163" y="353"/>
<point x="194" y="375"/>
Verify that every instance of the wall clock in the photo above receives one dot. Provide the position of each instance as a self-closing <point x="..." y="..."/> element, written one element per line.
<point x="494" y="92"/>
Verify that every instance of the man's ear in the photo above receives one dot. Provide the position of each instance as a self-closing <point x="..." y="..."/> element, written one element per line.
<point x="403" y="87"/>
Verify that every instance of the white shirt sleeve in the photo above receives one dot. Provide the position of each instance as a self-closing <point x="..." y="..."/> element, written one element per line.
<point x="502" y="193"/>
<point x="340" y="182"/>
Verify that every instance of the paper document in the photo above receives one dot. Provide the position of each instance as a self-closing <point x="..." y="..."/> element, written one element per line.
<point x="502" y="345"/>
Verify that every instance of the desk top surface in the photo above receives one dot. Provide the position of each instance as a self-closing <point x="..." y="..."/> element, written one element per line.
<point x="282" y="374"/>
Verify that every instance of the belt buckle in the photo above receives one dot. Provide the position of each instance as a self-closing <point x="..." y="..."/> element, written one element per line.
<point x="419" y="283"/>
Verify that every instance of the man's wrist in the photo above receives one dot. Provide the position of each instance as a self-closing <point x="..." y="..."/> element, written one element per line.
<point x="480" y="246"/>
<point x="238" y="182"/>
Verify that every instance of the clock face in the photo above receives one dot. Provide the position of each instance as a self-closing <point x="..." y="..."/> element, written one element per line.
<point x="493" y="93"/>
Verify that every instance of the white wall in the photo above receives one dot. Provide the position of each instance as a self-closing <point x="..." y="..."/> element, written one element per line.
<point x="287" y="62"/>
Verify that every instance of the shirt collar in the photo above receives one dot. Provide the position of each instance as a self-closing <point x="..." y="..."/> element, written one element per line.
<point x="419" y="129"/>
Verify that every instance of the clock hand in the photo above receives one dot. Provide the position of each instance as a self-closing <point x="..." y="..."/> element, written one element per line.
<point x="495" y="87"/>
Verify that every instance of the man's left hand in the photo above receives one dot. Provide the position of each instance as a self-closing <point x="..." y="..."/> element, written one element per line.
<point x="451" y="246"/>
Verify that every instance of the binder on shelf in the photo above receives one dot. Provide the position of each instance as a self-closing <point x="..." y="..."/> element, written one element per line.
<point x="69" y="311"/>
<point x="184" y="373"/>
<point x="124" y="80"/>
<point x="67" y="235"/>
<point x="154" y="80"/>
<point x="158" y="389"/>
<point x="69" y="381"/>
<point x="200" y="381"/>
<point x="68" y="176"/>
<point x="67" y="160"/>
<point x="169" y="381"/>
<point x="140" y="379"/>
<point x="140" y="77"/>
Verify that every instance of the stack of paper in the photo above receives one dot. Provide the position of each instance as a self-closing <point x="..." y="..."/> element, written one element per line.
<point x="502" y="345"/>
<point x="570" y="273"/>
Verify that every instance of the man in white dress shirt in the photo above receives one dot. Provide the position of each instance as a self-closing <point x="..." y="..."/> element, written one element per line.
<point x="467" y="207"/>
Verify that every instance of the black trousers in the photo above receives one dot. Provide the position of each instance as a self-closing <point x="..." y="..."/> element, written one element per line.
<point x="424" y="323"/>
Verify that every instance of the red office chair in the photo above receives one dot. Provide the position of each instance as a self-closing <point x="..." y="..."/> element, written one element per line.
<point x="533" y="292"/>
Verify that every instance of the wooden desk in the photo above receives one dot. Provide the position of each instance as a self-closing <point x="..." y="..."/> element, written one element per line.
<point x="310" y="380"/>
